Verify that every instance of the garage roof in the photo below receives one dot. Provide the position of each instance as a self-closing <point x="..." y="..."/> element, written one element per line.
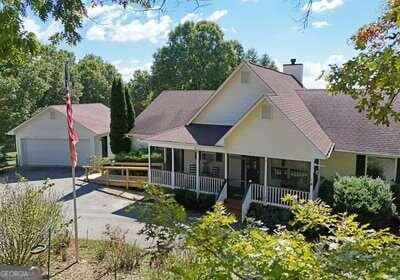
<point x="93" y="116"/>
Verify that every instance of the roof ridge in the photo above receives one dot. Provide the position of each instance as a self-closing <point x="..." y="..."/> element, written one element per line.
<point x="276" y="71"/>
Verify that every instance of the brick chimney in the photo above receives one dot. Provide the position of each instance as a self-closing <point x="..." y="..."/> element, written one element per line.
<point x="294" y="69"/>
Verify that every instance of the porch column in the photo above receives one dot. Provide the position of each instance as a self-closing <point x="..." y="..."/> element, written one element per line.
<point x="225" y="166"/>
<point x="165" y="158"/>
<point x="366" y="165"/>
<point x="149" y="162"/>
<point x="265" y="179"/>
<point x="197" y="174"/>
<point x="311" y="180"/>
<point x="173" y="167"/>
<point x="396" y="164"/>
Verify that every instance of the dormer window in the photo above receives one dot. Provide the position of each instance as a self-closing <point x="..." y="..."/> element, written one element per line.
<point x="266" y="112"/>
<point x="245" y="77"/>
<point x="52" y="115"/>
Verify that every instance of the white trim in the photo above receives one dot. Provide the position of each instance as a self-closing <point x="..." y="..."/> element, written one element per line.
<point x="149" y="162"/>
<point x="366" y="165"/>
<point x="177" y="145"/>
<point x="265" y="177"/>
<point x="396" y="163"/>
<point x="215" y="93"/>
<point x="225" y="166"/>
<point x="197" y="173"/>
<point x="311" y="179"/>
<point x="173" y="167"/>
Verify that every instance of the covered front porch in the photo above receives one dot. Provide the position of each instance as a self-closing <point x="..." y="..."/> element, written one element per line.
<point x="231" y="176"/>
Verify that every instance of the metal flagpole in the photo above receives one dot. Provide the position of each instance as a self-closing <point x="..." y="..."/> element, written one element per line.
<point x="67" y="81"/>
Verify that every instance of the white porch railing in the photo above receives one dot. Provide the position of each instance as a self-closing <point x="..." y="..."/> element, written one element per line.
<point x="273" y="195"/>
<point x="185" y="181"/>
<point x="223" y="194"/>
<point x="210" y="184"/>
<point x="161" y="177"/>
<point x="246" y="203"/>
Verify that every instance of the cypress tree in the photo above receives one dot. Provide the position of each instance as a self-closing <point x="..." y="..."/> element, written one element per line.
<point x="130" y="111"/>
<point x="118" y="128"/>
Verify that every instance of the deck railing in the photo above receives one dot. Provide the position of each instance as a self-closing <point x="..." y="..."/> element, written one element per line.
<point x="273" y="195"/>
<point x="185" y="181"/>
<point x="161" y="177"/>
<point x="211" y="185"/>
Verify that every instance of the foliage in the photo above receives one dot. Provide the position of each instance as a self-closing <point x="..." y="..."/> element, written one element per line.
<point x="196" y="56"/>
<point x="189" y="200"/>
<point x="162" y="216"/>
<point x="326" y="190"/>
<point x="138" y="156"/>
<point x="375" y="168"/>
<point x="370" y="199"/>
<point x="97" y="162"/>
<point x="96" y="76"/>
<point x="372" y="77"/>
<point x="115" y="253"/>
<point x="264" y="60"/>
<point x="119" y="142"/>
<point x="396" y="195"/>
<point x="270" y="216"/>
<point x="141" y="90"/>
<point x="26" y="214"/>
<point x="130" y="111"/>
<point x="16" y="43"/>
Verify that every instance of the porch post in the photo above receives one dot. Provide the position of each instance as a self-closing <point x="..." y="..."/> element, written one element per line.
<point x="149" y="162"/>
<point x="225" y="166"/>
<point x="197" y="174"/>
<point x="396" y="164"/>
<point x="265" y="179"/>
<point x="165" y="158"/>
<point x="366" y="165"/>
<point x="311" y="180"/>
<point x="173" y="167"/>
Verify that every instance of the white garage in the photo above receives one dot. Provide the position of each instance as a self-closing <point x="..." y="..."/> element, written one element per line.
<point x="42" y="140"/>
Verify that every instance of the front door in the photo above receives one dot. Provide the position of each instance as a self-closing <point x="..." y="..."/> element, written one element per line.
<point x="104" y="146"/>
<point x="243" y="170"/>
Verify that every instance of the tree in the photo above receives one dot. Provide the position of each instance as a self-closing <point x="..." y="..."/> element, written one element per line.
<point x="264" y="60"/>
<point x="95" y="76"/>
<point x="196" y="57"/>
<point x="130" y="111"/>
<point x="118" y="128"/>
<point x="17" y="44"/>
<point x="141" y="90"/>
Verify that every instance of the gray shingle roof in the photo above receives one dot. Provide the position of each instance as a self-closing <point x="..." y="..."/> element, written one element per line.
<point x="291" y="105"/>
<point x="171" y="109"/>
<point x="348" y="128"/>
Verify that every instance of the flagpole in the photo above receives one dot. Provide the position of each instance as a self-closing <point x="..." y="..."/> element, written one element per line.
<point x="67" y="84"/>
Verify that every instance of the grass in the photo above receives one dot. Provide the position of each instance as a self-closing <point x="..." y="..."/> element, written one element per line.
<point x="9" y="162"/>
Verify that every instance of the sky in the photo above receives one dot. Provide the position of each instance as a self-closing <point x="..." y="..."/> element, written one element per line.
<point x="127" y="38"/>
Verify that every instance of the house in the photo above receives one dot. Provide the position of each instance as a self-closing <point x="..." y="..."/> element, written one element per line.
<point x="42" y="139"/>
<point x="262" y="135"/>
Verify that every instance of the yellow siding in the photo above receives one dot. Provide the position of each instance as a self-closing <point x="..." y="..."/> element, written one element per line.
<point x="340" y="163"/>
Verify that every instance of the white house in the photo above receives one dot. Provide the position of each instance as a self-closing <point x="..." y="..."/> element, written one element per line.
<point x="42" y="139"/>
<point x="262" y="135"/>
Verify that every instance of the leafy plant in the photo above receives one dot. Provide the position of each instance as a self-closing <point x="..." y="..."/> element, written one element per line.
<point x="138" y="156"/>
<point x="27" y="212"/>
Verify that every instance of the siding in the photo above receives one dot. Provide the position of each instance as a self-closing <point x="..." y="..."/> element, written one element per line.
<point x="339" y="163"/>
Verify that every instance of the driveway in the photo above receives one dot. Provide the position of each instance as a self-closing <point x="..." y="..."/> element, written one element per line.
<point x="97" y="205"/>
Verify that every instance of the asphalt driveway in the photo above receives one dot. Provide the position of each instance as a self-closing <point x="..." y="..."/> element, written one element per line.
<point x="97" y="205"/>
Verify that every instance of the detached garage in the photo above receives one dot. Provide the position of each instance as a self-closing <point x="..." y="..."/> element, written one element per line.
<point x="42" y="140"/>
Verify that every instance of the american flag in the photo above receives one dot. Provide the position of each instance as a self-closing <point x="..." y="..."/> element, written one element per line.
<point x="72" y="135"/>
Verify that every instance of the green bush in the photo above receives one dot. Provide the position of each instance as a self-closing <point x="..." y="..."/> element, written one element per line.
<point x="270" y="216"/>
<point x="326" y="191"/>
<point x="371" y="199"/>
<point x="396" y="196"/>
<point x="138" y="156"/>
<point x="188" y="200"/>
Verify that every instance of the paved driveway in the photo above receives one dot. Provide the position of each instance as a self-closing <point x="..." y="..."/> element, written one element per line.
<point x="97" y="205"/>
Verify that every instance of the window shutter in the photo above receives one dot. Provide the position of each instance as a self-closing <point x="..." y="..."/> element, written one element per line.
<point x="360" y="165"/>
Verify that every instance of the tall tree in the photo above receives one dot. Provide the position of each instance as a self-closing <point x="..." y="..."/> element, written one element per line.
<point x="130" y="111"/>
<point x="196" y="57"/>
<point x="96" y="77"/>
<point x="372" y="78"/>
<point x="141" y="90"/>
<point x="118" y="127"/>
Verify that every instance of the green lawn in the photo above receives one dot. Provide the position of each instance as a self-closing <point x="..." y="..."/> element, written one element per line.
<point x="9" y="161"/>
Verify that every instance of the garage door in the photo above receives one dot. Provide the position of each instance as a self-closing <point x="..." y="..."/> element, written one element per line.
<point x="52" y="152"/>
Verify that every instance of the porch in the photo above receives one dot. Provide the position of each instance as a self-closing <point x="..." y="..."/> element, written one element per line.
<point x="243" y="178"/>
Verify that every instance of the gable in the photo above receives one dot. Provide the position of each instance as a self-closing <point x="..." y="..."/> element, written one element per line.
<point x="50" y="124"/>
<point x="233" y="99"/>
<point x="276" y="137"/>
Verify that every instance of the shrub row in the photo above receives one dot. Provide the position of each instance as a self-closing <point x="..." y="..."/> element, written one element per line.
<point x="188" y="200"/>
<point x="138" y="156"/>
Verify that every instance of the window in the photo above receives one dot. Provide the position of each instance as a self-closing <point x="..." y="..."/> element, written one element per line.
<point x="52" y="115"/>
<point x="380" y="167"/>
<point x="245" y="77"/>
<point x="218" y="157"/>
<point x="266" y="112"/>
<point x="207" y="156"/>
<point x="289" y="174"/>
